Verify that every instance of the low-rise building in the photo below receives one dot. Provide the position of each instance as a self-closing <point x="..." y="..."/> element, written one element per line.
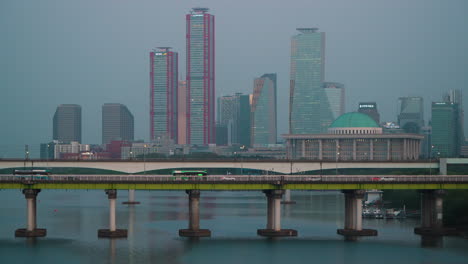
<point x="354" y="136"/>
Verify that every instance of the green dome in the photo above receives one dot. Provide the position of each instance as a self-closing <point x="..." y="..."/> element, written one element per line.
<point x="354" y="119"/>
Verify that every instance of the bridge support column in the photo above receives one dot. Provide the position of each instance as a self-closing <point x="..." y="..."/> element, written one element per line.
<point x="194" y="217"/>
<point x="31" y="230"/>
<point x="112" y="232"/>
<point x="431" y="215"/>
<point x="353" y="216"/>
<point x="273" y="228"/>
<point x="287" y="198"/>
<point x="131" y="198"/>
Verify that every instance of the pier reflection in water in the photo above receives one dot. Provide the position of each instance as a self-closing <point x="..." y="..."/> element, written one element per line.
<point x="72" y="218"/>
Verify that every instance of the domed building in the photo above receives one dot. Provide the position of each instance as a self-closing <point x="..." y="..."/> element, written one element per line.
<point x="354" y="136"/>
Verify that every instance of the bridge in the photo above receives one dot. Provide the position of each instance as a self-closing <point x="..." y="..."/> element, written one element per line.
<point x="267" y="166"/>
<point x="354" y="187"/>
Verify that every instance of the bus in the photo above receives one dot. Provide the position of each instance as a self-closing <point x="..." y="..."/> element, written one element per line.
<point x="32" y="174"/>
<point x="189" y="175"/>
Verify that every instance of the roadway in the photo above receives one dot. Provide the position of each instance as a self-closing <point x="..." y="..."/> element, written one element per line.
<point x="237" y="182"/>
<point x="272" y="166"/>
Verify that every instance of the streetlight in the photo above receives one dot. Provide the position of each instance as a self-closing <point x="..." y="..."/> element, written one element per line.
<point x="430" y="160"/>
<point x="242" y="166"/>
<point x="336" y="163"/>
<point x="144" y="159"/>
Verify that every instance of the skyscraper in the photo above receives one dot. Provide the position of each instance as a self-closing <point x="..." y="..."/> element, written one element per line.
<point x="163" y="93"/>
<point x="200" y="77"/>
<point x="67" y="123"/>
<point x="370" y="109"/>
<point x="182" y="113"/>
<point x="234" y="113"/>
<point x="117" y="123"/>
<point x="411" y="117"/>
<point x="227" y="116"/>
<point x="263" y="109"/>
<point x="456" y="96"/>
<point x="243" y="121"/>
<point x="335" y="93"/>
<point x="445" y="139"/>
<point x="310" y="111"/>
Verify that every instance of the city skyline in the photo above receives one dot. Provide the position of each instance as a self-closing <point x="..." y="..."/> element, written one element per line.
<point x="88" y="109"/>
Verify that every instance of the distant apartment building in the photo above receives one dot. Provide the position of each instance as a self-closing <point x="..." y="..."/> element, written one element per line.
<point x="200" y="37"/>
<point x="221" y="134"/>
<point x="370" y="109"/>
<point x="47" y="150"/>
<point x="445" y="130"/>
<point x="310" y="111"/>
<point x="117" y="123"/>
<point x="67" y="123"/>
<point x="263" y="107"/>
<point x="182" y="113"/>
<point x="71" y="150"/>
<point x="411" y="115"/>
<point x="234" y="113"/>
<point x="163" y="93"/>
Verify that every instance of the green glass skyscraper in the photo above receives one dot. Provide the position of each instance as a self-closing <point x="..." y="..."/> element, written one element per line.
<point x="264" y="111"/>
<point x="309" y="111"/>
<point x="445" y="129"/>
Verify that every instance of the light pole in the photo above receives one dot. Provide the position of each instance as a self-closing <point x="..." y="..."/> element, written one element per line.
<point x="144" y="159"/>
<point x="336" y="163"/>
<point x="242" y="165"/>
<point x="430" y="160"/>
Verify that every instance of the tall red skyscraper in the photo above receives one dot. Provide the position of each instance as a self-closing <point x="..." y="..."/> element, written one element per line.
<point x="200" y="77"/>
<point x="163" y="93"/>
<point x="182" y="113"/>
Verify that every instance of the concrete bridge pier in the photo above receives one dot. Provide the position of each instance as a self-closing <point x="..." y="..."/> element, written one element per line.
<point x="273" y="227"/>
<point x="112" y="232"/>
<point x="131" y="198"/>
<point x="31" y="230"/>
<point x="353" y="216"/>
<point x="287" y="198"/>
<point x="432" y="215"/>
<point x="194" y="217"/>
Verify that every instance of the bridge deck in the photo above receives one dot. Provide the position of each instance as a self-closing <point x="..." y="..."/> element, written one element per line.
<point x="235" y="182"/>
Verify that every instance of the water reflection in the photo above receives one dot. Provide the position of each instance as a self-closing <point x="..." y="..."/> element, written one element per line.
<point x="432" y="241"/>
<point x="233" y="217"/>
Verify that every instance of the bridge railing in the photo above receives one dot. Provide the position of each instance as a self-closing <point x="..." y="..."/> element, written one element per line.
<point x="273" y="179"/>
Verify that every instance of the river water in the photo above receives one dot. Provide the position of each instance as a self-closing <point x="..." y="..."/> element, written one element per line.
<point x="72" y="219"/>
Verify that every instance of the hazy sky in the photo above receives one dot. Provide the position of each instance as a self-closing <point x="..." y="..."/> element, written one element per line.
<point x="91" y="52"/>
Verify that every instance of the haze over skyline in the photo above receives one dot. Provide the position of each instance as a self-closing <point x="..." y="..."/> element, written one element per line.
<point x="90" y="53"/>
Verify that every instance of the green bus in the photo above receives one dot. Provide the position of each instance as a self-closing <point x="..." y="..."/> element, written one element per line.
<point x="189" y="175"/>
<point x="32" y="174"/>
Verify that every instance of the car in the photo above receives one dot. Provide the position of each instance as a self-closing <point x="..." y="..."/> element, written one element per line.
<point x="313" y="178"/>
<point x="227" y="178"/>
<point x="382" y="179"/>
<point x="387" y="179"/>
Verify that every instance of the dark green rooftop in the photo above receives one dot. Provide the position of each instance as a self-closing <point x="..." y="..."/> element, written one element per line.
<point x="354" y="119"/>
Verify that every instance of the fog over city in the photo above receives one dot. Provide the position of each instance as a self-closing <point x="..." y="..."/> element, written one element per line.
<point x="94" y="52"/>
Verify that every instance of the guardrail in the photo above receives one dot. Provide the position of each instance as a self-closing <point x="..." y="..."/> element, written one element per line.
<point x="213" y="179"/>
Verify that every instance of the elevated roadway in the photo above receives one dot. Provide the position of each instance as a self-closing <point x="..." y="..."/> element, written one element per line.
<point x="273" y="166"/>
<point x="238" y="182"/>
